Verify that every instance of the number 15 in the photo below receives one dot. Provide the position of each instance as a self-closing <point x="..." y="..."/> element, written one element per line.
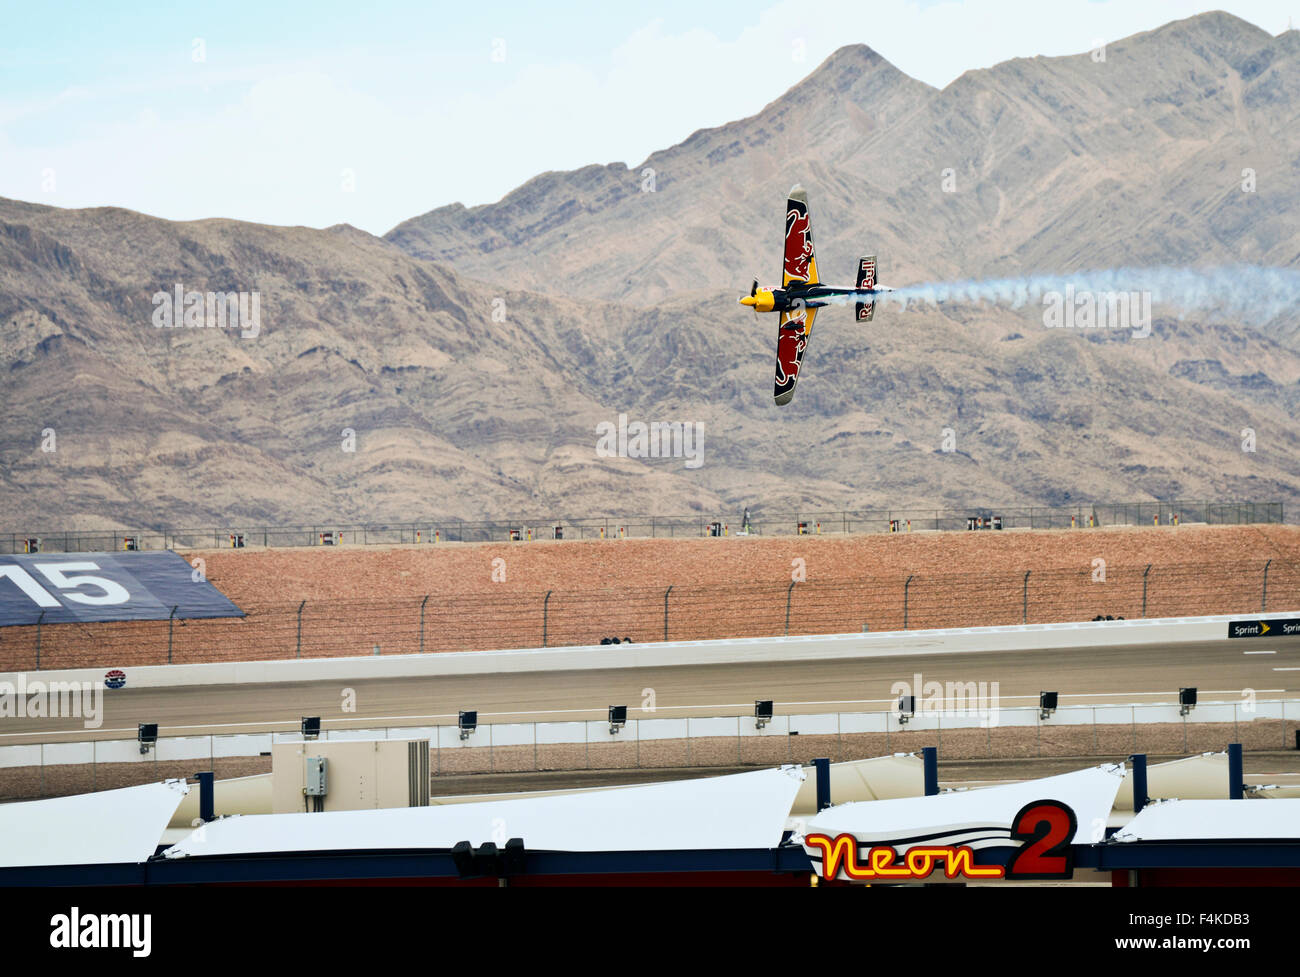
<point x="113" y="592"/>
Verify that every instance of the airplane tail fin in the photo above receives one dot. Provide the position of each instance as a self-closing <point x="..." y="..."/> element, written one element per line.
<point x="866" y="279"/>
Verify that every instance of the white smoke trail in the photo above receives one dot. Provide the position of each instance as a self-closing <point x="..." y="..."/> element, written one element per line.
<point x="1247" y="293"/>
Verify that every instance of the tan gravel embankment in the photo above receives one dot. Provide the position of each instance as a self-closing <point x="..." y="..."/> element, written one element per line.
<point x="358" y="598"/>
<point x="26" y="783"/>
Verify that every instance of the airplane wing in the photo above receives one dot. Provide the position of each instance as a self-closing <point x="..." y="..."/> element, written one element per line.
<point x="800" y="262"/>
<point x="791" y="340"/>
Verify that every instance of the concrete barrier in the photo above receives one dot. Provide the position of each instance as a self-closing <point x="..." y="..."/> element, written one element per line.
<point x="1075" y="636"/>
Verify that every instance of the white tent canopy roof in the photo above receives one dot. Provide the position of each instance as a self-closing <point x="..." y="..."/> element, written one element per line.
<point x="103" y="828"/>
<point x="1204" y="777"/>
<point x="980" y="818"/>
<point x="1214" y="821"/>
<point x="746" y="810"/>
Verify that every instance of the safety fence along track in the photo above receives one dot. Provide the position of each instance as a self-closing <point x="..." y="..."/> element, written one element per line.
<point x="441" y="622"/>
<point x="762" y="521"/>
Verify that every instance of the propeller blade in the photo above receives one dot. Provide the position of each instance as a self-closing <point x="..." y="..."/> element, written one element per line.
<point x="753" y="289"/>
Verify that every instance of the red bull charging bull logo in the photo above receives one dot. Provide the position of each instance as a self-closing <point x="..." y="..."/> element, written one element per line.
<point x="790" y="345"/>
<point x="798" y="243"/>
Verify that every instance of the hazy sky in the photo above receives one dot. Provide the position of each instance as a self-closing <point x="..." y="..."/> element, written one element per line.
<point x="318" y="113"/>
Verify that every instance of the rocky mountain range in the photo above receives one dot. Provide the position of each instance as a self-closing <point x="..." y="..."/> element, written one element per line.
<point x="1054" y="164"/>
<point x="460" y="365"/>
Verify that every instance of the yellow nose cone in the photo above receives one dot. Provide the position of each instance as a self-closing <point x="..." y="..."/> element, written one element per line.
<point x="749" y="300"/>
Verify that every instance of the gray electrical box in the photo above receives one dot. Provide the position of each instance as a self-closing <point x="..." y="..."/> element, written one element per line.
<point x="316" y="767"/>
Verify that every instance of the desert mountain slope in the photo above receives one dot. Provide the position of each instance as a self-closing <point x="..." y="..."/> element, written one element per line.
<point x="452" y="411"/>
<point x="470" y="399"/>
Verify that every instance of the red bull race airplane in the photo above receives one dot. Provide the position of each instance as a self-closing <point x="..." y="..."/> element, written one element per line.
<point x="801" y="294"/>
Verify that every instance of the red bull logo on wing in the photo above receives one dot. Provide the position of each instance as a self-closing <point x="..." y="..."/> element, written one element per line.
<point x="798" y="243"/>
<point x="790" y="345"/>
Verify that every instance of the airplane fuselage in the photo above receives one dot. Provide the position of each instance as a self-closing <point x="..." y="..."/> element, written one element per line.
<point x="799" y="296"/>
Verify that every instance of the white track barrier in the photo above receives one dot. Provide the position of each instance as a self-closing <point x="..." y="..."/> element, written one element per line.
<point x="446" y="738"/>
<point x="1026" y="638"/>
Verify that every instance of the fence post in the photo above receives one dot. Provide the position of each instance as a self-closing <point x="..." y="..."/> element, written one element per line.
<point x="546" y="609"/>
<point x="788" y="592"/>
<point x="1144" y="589"/>
<point x="300" y="607"/>
<point x="171" y="624"/>
<point x="906" y="588"/>
<point x="1024" y="600"/>
<point x="666" y="593"/>
<point x="422" y="603"/>
<point x="1263" y="603"/>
